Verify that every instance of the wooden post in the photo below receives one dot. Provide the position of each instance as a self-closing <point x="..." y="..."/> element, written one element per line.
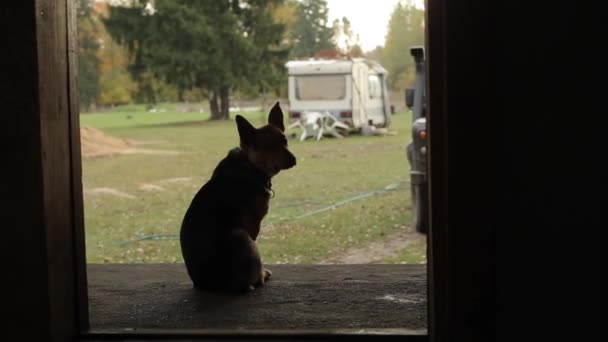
<point x="43" y="245"/>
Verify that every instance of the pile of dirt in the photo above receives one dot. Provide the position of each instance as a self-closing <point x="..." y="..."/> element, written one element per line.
<point x="95" y="143"/>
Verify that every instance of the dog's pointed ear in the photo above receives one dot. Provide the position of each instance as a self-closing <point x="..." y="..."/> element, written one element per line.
<point x="246" y="131"/>
<point x="275" y="117"/>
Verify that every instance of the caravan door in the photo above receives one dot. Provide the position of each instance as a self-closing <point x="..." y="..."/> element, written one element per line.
<point x="376" y="106"/>
<point x="359" y="85"/>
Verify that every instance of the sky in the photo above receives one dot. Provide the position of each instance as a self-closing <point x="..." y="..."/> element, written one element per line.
<point x="369" y="18"/>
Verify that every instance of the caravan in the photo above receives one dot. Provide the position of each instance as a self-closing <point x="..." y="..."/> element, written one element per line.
<point x="353" y="91"/>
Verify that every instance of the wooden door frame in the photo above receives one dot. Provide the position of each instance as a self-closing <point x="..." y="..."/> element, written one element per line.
<point x="60" y="169"/>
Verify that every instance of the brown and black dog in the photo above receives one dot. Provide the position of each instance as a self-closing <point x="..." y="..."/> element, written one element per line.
<point x="221" y="225"/>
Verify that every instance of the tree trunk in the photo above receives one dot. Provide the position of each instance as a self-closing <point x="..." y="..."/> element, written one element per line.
<point x="213" y="106"/>
<point x="219" y="104"/>
<point x="225" y="103"/>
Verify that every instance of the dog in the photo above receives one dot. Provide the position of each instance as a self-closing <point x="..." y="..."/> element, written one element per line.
<point x="222" y="223"/>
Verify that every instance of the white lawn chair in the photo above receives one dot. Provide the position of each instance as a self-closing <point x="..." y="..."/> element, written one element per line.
<point x="315" y="124"/>
<point x="311" y="125"/>
<point x="330" y="124"/>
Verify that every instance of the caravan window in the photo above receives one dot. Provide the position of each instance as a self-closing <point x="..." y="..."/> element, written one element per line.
<point x="375" y="88"/>
<point x="321" y="87"/>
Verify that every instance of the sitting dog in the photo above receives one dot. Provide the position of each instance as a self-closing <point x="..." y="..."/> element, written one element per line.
<point x="221" y="225"/>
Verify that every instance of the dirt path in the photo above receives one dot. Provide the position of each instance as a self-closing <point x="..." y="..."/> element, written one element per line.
<point x="159" y="185"/>
<point x="108" y="191"/>
<point x="377" y="251"/>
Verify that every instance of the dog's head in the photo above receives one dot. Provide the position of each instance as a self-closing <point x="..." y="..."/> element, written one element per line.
<point x="266" y="147"/>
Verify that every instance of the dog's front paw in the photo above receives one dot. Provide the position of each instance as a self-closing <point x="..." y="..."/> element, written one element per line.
<point x="264" y="276"/>
<point x="267" y="274"/>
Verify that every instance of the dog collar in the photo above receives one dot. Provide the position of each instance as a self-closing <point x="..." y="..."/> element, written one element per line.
<point x="258" y="173"/>
<point x="268" y="188"/>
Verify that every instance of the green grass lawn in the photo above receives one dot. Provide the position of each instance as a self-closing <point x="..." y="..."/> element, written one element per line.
<point x="142" y="225"/>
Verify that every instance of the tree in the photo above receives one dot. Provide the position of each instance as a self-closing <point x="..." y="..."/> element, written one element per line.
<point x="375" y="54"/>
<point x="311" y="32"/>
<point x="266" y="72"/>
<point x="88" y="62"/>
<point x="212" y="45"/>
<point x="356" y="51"/>
<point x="286" y="14"/>
<point x="116" y="85"/>
<point x="345" y="38"/>
<point x="405" y="29"/>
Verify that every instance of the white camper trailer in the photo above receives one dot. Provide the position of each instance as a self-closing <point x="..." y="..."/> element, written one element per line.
<point x="353" y="91"/>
